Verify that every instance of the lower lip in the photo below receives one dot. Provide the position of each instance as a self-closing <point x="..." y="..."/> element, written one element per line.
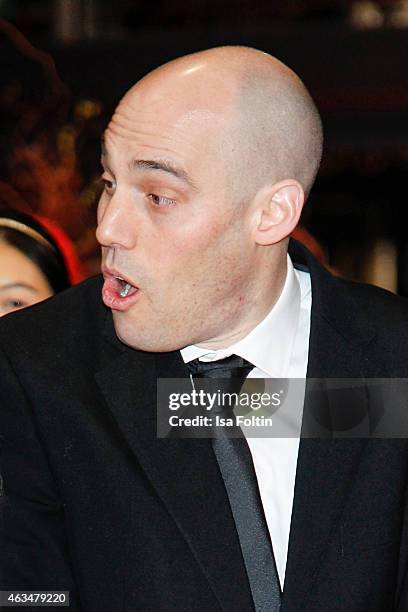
<point x="112" y="300"/>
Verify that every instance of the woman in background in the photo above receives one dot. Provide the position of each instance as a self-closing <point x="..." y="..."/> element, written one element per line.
<point x="37" y="260"/>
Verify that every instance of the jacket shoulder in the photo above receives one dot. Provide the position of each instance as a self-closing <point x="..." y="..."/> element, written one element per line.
<point x="381" y="307"/>
<point x="63" y="322"/>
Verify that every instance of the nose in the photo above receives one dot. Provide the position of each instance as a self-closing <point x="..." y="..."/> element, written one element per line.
<point x="116" y="225"/>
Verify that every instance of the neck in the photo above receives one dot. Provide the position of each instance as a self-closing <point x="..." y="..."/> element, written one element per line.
<point x="264" y="297"/>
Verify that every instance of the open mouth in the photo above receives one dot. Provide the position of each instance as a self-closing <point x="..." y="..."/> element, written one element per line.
<point x="125" y="289"/>
<point x="117" y="292"/>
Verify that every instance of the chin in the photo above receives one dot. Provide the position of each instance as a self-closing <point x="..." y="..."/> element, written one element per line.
<point x="144" y="339"/>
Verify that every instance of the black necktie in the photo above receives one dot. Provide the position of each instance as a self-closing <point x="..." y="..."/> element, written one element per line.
<point x="229" y="372"/>
<point x="237" y="470"/>
<point x="224" y="375"/>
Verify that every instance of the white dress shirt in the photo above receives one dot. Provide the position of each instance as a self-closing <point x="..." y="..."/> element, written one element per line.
<point x="278" y="347"/>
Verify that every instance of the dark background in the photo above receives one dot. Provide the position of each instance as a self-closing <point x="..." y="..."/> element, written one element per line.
<point x="351" y="55"/>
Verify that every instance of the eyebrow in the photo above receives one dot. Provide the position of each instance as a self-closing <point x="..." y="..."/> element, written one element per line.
<point x="162" y="165"/>
<point x="18" y="286"/>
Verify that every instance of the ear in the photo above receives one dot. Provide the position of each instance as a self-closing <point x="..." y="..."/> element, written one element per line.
<point x="278" y="208"/>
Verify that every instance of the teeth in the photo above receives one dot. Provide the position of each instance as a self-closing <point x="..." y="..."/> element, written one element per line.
<point x="125" y="290"/>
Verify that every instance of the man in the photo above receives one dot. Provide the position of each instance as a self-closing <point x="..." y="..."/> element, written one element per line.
<point x="207" y="163"/>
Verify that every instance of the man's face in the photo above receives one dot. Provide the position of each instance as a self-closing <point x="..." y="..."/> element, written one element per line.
<point x="170" y="228"/>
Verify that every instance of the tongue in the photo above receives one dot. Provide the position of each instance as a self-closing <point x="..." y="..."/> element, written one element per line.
<point x="127" y="290"/>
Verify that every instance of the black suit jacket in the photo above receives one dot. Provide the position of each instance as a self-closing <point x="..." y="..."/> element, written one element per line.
<point x="95" y="504"/>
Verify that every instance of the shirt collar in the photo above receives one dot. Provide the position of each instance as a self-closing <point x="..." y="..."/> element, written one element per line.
<point x="269" y="345"/>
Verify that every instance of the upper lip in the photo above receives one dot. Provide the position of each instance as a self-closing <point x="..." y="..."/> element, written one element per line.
<point x="117" y="274"/>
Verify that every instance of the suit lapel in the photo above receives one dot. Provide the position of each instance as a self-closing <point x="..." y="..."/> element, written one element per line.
<point x="325" y="471"/>
<point x="340" y="340"/>
<point x="184" y="472"/>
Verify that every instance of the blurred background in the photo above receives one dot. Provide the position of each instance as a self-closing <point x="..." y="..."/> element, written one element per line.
<point x="65" y="64"/>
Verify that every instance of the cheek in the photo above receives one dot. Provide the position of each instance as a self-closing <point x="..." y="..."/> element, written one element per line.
<point x="186" y="250"/>
<point x="205" y="261"/>
<point x="198" y="233"/>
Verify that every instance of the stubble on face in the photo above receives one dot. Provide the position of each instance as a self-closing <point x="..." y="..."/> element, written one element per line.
<point x="188" y="260"/>
<point x="203" y="278"/>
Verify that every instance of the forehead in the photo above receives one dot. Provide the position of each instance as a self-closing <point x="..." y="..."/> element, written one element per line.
<point x="160" y="122"/>
<point x="14" y="264"/>
<point x="132" y="131"/>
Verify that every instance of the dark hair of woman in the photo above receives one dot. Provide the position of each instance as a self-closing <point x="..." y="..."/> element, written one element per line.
<point x="29" y="237"/>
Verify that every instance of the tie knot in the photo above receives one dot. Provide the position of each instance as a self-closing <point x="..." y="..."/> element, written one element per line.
<point x="230" y="367"/>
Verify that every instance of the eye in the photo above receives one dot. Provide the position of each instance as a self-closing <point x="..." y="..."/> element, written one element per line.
<point x="15" y="303"/>
<point x="161" y="201"/>
<point x="108" y="185"/>
<point x="11" y="305"/>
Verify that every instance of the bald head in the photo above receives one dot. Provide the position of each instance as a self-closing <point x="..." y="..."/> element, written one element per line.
<point x="268" y="127"/>
<point x="206" y="163"/>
